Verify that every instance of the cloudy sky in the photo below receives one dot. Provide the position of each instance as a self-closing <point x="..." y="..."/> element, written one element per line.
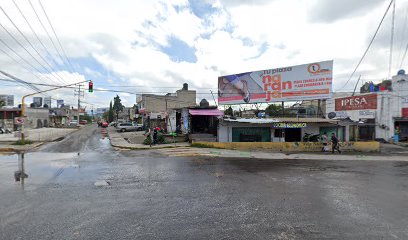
<point x="149" y="46"/>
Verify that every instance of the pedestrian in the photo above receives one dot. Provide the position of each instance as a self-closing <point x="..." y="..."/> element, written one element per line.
<point x="155" y="136"/>
<point x="335" y="143"/>
<point x="325" y="141"/>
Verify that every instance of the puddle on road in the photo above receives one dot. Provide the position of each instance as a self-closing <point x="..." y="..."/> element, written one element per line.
<point x="31" y="169"/>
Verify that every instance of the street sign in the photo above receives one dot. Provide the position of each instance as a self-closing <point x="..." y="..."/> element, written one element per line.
<point x="19" y="120"/>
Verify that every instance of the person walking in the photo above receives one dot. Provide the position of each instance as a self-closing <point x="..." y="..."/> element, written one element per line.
<point x="335" y="143"/>
<point x="325" y="141"/>
<point x="155" y="132"/>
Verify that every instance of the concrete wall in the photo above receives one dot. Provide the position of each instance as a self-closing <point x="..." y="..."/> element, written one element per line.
<point x="157" y="103"/>
<point x="290" y="147"/>
<point x="35" y="116"/>
<point x="171" y="124"/>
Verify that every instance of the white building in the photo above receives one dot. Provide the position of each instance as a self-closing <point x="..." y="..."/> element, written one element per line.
<point x="375" y="115"/>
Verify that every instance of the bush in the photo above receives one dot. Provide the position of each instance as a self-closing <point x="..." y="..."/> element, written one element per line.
<point x="147" y="141"/>
<point x="21" y="142"/>
<point x="161" y="139"/>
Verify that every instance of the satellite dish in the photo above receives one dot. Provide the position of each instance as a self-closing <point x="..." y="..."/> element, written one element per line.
<point x="331" y="115"/>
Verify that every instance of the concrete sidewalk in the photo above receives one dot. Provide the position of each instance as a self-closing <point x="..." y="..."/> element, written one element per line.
<point x="236" y="154"/>
<point x="391" y="152"/>
<point x="117" y="140"/>
<point x="39" y="134"/>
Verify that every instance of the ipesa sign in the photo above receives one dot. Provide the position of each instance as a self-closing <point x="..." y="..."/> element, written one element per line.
<point x="360" y="102"/>
<point x="301" y="82"/>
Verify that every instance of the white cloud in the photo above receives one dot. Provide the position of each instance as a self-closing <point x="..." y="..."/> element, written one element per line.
<point x="125" y="38"/>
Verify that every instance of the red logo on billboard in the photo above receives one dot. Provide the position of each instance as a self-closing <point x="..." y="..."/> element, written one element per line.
<point x="404" y="112"/>
<point x="356" y="103"/>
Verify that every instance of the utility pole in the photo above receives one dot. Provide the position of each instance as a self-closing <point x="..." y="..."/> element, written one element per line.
<point x="79" y="94"/>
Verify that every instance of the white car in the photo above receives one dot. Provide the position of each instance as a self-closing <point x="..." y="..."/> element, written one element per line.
<point x="73" y="123"/>
<point x="128" y="126"/>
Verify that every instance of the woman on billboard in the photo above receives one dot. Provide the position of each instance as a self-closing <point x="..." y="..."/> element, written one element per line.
<point x="239" y="82"/>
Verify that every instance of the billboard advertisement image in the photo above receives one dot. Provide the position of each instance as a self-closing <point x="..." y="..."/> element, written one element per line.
<point x="302" y="82"/>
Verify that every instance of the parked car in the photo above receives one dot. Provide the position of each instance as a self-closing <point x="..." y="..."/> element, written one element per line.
<point x="83" y="122"/>
<point x="73" y="123"/>
<point x="139" y="127"/>
<point x="113" y="124"/>
<point x="104" y="124"/>
<point x="124" y="127"/>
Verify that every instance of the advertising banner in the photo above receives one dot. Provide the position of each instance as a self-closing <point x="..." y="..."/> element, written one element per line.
<point x="302" y="82"/>
<point x="60" y="103"/>
<point x="360" y="102"/>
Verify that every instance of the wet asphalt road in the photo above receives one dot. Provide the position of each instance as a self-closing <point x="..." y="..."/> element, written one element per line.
<point x="157" y="197"/>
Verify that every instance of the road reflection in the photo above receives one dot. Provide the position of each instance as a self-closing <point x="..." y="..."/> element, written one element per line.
<point x="20" y="174"/>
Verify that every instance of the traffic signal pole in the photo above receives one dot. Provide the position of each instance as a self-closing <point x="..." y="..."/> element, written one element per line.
<point x="22" y="114"/>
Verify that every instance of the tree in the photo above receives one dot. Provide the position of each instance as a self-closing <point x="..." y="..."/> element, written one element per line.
<point x="2" y="103"/>
<point x="117" y="106"/>
<point x="229" y="111"/>
<point x="273" y="110"/>
<point x="110" y="113"/>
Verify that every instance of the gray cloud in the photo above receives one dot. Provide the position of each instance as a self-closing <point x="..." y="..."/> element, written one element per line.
<point x="332" y="10"/>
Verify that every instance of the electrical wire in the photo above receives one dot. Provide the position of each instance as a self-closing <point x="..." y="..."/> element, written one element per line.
<point x="369" y="45"/>
<point x="56" y="36"/>
<point x="32" y="46"/>
<point x="35" y="34"/>
<point x="27" y="62"/>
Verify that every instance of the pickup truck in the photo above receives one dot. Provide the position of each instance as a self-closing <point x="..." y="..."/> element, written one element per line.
<point x="124" y="127"/>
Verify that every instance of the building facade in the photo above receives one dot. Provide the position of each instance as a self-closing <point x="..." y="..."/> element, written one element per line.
<point x="381" y="114"/>
<point x="155" y="109"/>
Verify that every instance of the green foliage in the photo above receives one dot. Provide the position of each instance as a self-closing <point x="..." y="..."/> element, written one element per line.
<point x="273" y="110"/>
<point x="147" y="141"/>
<point x="161" y="139"/>
<point x="21" y="142"/>
<point x="229" y="111"/>
<point x="2" y="103"/>
<point x="117" y="106"/>
<point x="110" y="113"/>
<point x="86" y="117"/>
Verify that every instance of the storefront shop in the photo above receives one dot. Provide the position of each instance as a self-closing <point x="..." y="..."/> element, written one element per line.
<point x="274" y="130"/>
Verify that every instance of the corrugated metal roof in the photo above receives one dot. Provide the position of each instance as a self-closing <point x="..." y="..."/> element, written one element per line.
<point x="206" y="112"/>
<point x="273" y="120"/>
<point x="252" y="120"/>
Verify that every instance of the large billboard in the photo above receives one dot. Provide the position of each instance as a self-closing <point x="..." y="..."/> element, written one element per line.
<point x="302" y="82"/>
<point x="360" y="102"/>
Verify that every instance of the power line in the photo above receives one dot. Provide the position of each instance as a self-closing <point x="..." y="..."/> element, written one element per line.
<point x="27" y="62"/>
<point x="28" y="41"/>
<point x="369" y="45"/>
<point x="35" y="34"/>
<point x="56" y="36"/>
<point x="392" y="39"/>
<point x="46" y="31"/>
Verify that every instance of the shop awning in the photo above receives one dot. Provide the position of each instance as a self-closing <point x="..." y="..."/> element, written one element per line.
<point x="206" y="112"/>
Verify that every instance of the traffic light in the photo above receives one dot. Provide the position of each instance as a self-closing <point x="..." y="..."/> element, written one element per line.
<point x="90" y="86"/>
